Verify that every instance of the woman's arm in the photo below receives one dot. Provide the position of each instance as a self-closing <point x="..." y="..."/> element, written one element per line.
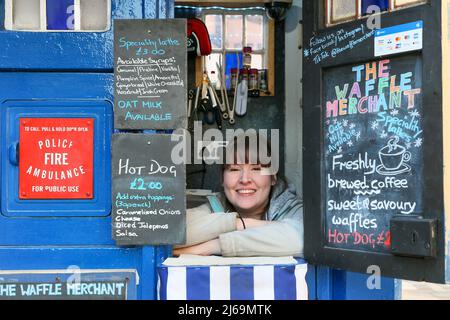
<point x="212" y="247"/>
<point x="274" y="238"/>
<point x="260" y="238"/>
<point x="208" y="248"/>
<point x="202" y="225"/>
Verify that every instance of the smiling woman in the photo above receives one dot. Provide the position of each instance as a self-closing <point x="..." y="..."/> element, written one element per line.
<point x="263" y="216"/>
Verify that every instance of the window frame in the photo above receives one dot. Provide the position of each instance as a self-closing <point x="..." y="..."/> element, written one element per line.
<point x="327" y="11"/>
<point x="269" y="41"/>
<point x="9" y="12"/>
<point x="224" y="31"/>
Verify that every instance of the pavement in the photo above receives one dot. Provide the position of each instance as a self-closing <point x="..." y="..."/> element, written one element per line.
<point x="424" y="291"/>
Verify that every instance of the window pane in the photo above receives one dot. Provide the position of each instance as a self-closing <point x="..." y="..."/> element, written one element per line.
<point x="257" y="61"/>
<point x="211" y="67"/>
<point x="233" y="26"/>
<point x="60" y="15"/>
<point x="254" y="32"/>
<point x="214" y="24"/>
<point x="382" y="4"/>
<point x="342" y="9"/>
<point x="230" y="63"/>
<point x="26" y="15"/>
<point x="399" y="3"/>
<point x="94" y="14"/>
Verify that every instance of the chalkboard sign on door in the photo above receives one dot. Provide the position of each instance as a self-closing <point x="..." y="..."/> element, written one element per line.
<point x="150" y="74"/>
<point x="373" y="155"/>
<point x="148" y="192"/>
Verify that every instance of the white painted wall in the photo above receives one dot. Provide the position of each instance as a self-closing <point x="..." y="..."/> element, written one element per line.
<point x="293" y="76"/>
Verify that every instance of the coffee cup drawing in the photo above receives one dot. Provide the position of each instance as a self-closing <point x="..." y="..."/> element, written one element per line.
<point x="393" y="158"/>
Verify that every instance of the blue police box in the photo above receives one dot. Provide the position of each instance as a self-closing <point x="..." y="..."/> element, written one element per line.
<point x="55" y="74"/>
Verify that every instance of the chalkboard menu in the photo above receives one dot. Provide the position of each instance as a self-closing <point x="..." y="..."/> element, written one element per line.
<point x="150" y="74"/>
<point x="373" y="150"/>
<point x="148" y="191"/>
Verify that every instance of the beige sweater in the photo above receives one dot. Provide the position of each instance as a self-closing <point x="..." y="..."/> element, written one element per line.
<point x="278" y="238"/>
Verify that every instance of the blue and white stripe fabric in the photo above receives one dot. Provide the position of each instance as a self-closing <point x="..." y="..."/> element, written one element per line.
<point x="235" y="282"/>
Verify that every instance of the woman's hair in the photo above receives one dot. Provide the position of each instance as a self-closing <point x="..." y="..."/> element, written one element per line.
<point x="248" y="149"/>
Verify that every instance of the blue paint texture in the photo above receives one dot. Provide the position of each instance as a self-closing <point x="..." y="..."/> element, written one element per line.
<point x="65" y="50"/>
<point x="74" y="50"/>
<point x="150" y="11"/>
<point x="343" y="285"/>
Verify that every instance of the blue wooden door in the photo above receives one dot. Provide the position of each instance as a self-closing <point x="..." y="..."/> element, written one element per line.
<point x="66" y="75"/>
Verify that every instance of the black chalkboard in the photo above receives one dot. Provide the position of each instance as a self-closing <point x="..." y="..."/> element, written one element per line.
<point x="150" y="63"/>
<point x="148" y="191"/>
<point x="373" y="150"/>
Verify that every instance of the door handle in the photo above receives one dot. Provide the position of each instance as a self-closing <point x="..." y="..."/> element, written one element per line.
<point x="14" y="153"/>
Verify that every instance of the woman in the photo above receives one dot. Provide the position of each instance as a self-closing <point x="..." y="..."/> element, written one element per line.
<point x="266" y="217"/>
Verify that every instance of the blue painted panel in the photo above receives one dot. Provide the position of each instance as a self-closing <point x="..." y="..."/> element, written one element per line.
<point x="87" y="240"/>
<point x="324" y="283"/>
<point x="356" y="288"/>
<point x="311" y="282"/>
<point x="151" y="9"/>
<point x="58" y="86"/>
<point x="10" y="113"/>
<point x="159" y="9"/>
<point x="342" y="285"/>
<point x="49" y="85"/>
<point x="339" y="281"/>
<point x="36" y="258"/>
<point x="73" y="50"/>
<point x="65" y="50"/>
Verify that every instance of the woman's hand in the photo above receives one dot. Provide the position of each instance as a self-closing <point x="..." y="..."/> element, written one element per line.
<point x="208" y="248"/>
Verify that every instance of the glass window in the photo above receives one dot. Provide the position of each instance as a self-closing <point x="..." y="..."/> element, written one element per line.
<point x="342" y="10"/>
<point x="94" y="15"/>
<point x="403" y="3"/>
<point x="383" y="5"/>
<point x="24" y="15"/>
<point x="230" y="32"/>
<point x="234" y="26"/>
<point x="58" y="15"/>
<point x="337" y="11"/>
<point x="257" y="61"/>
<point x="254" y="32"/>
<point x="215" y="28"/>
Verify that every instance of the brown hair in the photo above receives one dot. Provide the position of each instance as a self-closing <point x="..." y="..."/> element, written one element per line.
<point x="244" y="151"/>
<point x="247" y="149"/>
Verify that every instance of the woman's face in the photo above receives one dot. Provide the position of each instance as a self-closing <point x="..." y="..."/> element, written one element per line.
<point x="247" y="187"/>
